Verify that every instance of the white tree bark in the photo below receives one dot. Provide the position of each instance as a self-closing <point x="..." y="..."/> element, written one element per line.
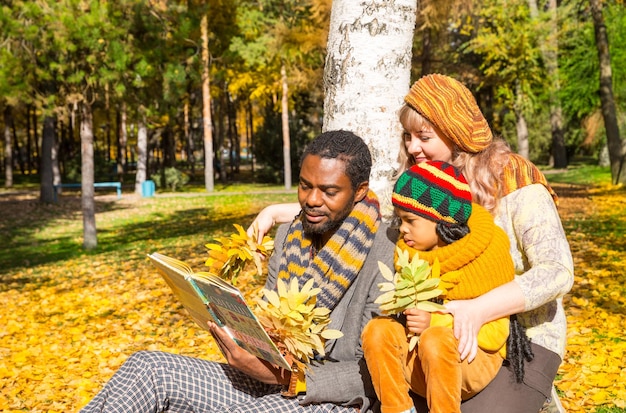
<point x="88" y="203"/>
<point x="207" y="124"/>
<point x="367" y="75"/>
<point x="142" y="153"/>
<point x="284" y="109"/>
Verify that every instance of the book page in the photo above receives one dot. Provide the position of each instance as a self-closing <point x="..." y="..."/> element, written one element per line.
<point x="174" y="273"/>
<point x="208" y="298"/>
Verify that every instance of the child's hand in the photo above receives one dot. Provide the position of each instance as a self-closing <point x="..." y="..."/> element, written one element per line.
<point x="417" y="320"/>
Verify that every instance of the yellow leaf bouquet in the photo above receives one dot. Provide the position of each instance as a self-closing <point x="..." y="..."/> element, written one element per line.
<point x="229" y="256"/>
<point x="289" y="314"/>
<point x="414" y="284"/>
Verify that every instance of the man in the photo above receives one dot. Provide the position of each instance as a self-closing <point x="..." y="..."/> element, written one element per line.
<point x="337" y="239"/>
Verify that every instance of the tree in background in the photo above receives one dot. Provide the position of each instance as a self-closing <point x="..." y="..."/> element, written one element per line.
<point x="143" y="59"/>
<point x="507" y="40"/>
<point x="549" y="51"/>
<point x="609" y="110"/>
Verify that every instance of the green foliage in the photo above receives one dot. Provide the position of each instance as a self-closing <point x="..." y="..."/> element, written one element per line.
<point x="579" y="69"/>
<point x="171" y="178"/>
<point x="508" y="39"/>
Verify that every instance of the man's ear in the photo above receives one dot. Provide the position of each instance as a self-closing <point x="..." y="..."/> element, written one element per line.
<point x="361" y="191"/>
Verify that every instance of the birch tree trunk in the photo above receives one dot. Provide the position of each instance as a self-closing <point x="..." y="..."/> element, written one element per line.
<point x="122" y="142"/>
<point x="609" y="112"/>
<point x="46" y="189"/>
<point x="521" y="126"/>
<point x="366" y="76"/>
<point x="90" y="238"/>
<point x="142" y="153"/>
<point x="8" y="149"/>
<point x="549" y="52"/>
<point x="206" y="108"/>
<point x="284" y="108"/>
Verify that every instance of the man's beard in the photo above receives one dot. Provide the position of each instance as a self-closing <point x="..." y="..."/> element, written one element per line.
<point x="330" y="225"/>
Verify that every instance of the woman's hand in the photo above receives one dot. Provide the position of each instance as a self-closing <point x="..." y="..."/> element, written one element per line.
<point x="417" y="320"/>
<point x="246" y="362"/>
<point x="270" y="216"/>
<point x="467" y="322"/>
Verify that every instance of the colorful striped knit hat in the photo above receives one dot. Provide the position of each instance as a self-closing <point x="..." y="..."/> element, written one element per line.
<point x="451" y="107"/>
<point x="434" y="190"/>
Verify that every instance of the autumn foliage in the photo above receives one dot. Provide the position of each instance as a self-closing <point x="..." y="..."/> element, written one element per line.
<point x="68" y="320"/>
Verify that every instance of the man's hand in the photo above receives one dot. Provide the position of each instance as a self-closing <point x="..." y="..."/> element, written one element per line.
<point x="247" y="363"/>
<point x="417" y="320"/>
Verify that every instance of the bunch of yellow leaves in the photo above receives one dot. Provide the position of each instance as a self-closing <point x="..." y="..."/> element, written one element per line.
<point x="229" y="255"/>
<point x="291" y="319"/>
<point x="413" y="285"/>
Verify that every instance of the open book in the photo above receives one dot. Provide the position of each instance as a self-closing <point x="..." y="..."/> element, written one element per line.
<point x="209" y="298"/>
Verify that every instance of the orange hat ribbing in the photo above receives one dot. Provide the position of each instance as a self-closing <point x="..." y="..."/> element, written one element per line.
<point x="451" y="107"/>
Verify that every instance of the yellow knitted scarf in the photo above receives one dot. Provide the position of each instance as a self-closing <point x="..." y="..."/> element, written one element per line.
<point x="482" y="256"/>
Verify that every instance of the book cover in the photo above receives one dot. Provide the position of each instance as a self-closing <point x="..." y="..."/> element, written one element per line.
<point x="209" y="298"/>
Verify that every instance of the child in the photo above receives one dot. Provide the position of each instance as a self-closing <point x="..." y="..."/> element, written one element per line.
<point x="434" y="203"/>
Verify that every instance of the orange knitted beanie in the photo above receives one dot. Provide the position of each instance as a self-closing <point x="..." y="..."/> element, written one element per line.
<point x="451" y="107"/>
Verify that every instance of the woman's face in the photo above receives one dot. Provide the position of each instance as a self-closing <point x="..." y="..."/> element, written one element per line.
<point x="426" y="144"/>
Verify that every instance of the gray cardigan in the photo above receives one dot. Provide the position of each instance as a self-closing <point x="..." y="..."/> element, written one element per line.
<point x="345" y="380"/>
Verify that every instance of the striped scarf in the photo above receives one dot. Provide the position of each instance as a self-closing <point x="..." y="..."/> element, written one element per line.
<point x="339" y="261"/>
<point x="519" y="172"/>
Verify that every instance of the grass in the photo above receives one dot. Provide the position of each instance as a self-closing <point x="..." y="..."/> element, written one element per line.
<point x="40" y="234"/>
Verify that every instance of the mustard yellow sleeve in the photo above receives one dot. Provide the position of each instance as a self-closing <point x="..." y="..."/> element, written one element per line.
<point x="491" y="336"/>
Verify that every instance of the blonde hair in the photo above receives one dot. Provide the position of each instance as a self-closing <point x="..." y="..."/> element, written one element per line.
<point x="483" y="170"/>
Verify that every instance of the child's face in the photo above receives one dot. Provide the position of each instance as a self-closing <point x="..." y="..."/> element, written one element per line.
<point x="418" y="232"/>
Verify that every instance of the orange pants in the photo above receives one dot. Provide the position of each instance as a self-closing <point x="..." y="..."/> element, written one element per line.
<point x="433" y="369"/>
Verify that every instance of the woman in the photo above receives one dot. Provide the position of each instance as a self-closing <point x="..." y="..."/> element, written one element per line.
<point x="442" y="121"/>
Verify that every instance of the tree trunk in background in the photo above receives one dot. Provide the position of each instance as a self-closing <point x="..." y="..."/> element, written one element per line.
<point x="142" y="153"/>
<point x="189" y="144"/>
<point x="549" y="52"/>
<point x="206" y="109"/>
<point x="46" y="190"/>
<point x="122" y="142"/>
<point x="521" y="126"/>
<point x="284" y="110"/>
<point x="36" y="140"/>
<point x="522" y="135"/>
<point x="16" y="148"/>
<point x="426" y="51"/>
<point x="90" y="237"/>
<point x="8" y="149"/>
<point x="29" y="155"/>
<point x="614" y="142"/>
<point x="56" y="170"/>
<point x="366" y="76"/>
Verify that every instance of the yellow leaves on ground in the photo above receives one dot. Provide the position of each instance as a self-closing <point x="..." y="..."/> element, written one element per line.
<point x="63" y="339"/>
<point x="593" y="374"/>
<point x="67" y="326"/>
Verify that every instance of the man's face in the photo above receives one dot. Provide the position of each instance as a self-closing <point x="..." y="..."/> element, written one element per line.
<point x="325" y="194"/>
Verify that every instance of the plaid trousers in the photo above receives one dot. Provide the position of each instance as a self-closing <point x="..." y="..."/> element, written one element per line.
<point x="164" y="382"/>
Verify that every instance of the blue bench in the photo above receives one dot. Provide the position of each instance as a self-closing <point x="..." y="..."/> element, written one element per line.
<point x="116" y="185"/>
